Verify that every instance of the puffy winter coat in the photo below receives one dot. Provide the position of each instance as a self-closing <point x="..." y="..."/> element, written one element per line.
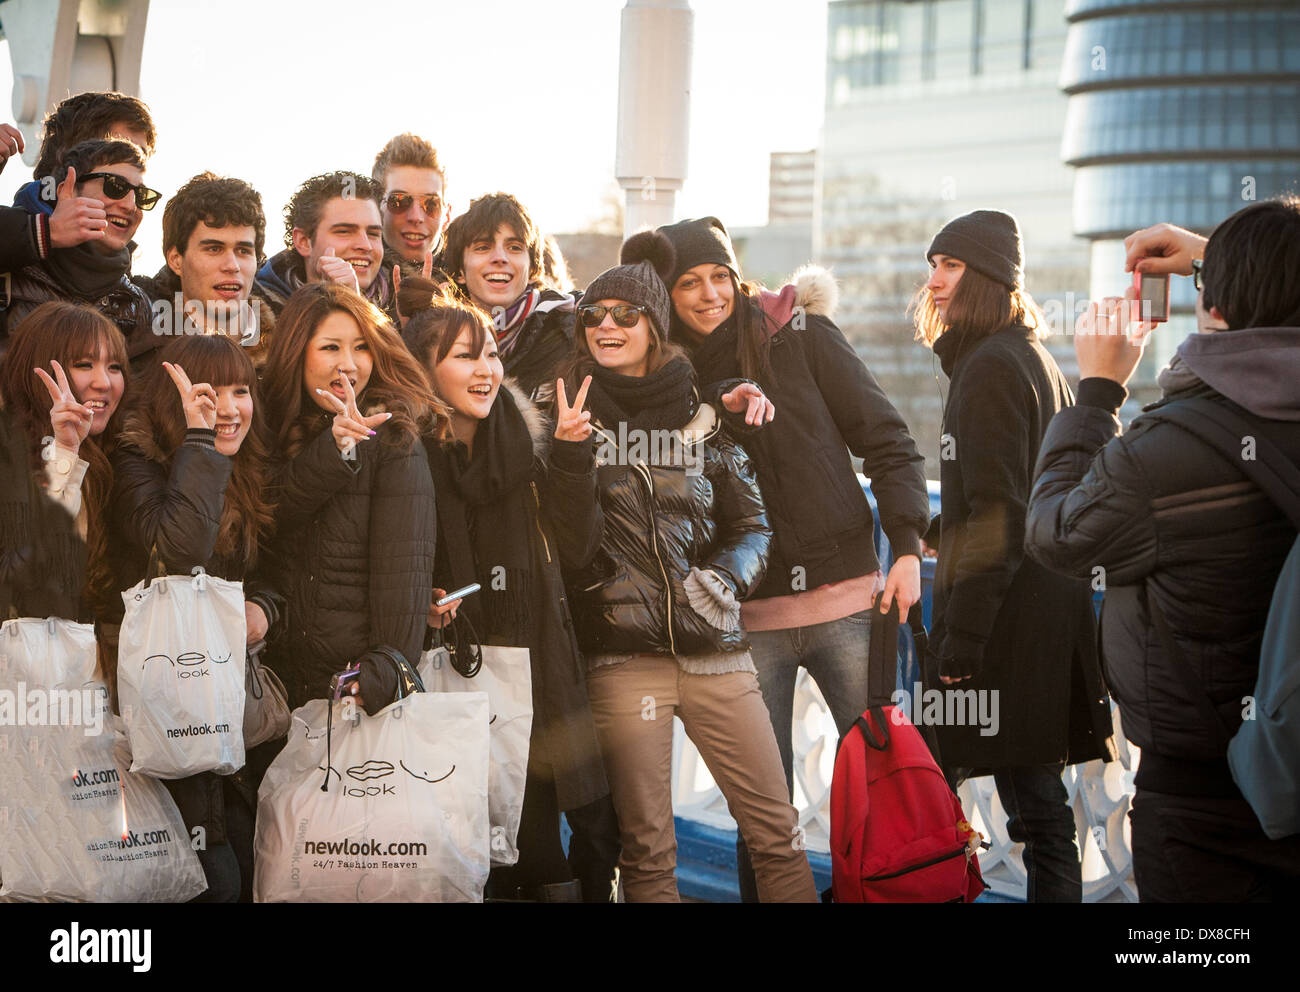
<point x="1174" y="526"/>
<point x="175" y="505"/>
<point x="659" y="518"/>
<point x="352" y="555"/>
<point x="1017" y="627"/>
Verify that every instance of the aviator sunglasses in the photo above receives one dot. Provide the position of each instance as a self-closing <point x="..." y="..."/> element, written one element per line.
<point x="399" y="203"/>
<point x="115" y="187"/>
<point x="624" y="314"/>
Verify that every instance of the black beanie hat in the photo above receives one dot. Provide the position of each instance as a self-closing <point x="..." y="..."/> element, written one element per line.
<point x="986" y="240"/>
<point x="698" y="241"/>
<point x="646" y="256"/>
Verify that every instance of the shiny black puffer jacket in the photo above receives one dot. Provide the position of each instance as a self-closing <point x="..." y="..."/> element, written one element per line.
<point x="657" y="521"/>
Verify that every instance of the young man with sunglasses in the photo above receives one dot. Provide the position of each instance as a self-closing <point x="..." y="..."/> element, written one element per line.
<point x="213" y="233"/>
<point x="333" y="233"/>
<point x="494" y="257"/>
<point x="94" y="272"/>
<point x="412" y="201"/>
<point x="37" y="222"/>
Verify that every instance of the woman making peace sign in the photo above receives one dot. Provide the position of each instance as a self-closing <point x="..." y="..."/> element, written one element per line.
<point x="500" y="476"/>
<point x="354" y="523"/>
<point x="188" y="477"/>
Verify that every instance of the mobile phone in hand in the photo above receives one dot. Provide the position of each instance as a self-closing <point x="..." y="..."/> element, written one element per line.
<point x="1153" y="294"/>
<point x="456" y="594"/>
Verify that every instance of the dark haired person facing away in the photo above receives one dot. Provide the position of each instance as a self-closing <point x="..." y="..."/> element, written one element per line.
<point x="94" y="272"/>
<point x="38" y="222"/>
<point x="213" y="234"/>
<point x="333" y="232"/>
<point x="1186" y="537"/>
<point x="1001" y="621"/>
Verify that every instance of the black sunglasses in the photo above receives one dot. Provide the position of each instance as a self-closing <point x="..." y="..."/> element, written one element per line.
<point x="115" y="187"/>
<point x="399" y="203"/>
<point x="1197" y="281"/>
<point x="624" y="314"/>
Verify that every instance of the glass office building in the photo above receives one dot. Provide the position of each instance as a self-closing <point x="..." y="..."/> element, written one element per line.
<point x="1178" y="111"/>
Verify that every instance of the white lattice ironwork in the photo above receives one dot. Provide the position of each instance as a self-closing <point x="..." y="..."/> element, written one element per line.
<point x="1100" y="793"/>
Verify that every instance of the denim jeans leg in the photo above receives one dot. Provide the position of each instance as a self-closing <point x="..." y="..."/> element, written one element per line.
<point x="1040" y="817"/>
<point x="836" y="655"/>
<point x="776" y="656"/>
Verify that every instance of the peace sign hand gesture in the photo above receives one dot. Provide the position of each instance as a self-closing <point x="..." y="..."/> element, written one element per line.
<point x="69" y="419"/>
<point x="349" y="425"/>
<point x="198" y="401"/>
<point x="572" y="423"/>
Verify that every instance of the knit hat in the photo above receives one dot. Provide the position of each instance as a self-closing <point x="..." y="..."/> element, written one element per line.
<point x="988" y="241"/>
<point x="697" y="242"/>
<point x="646" y="256"/>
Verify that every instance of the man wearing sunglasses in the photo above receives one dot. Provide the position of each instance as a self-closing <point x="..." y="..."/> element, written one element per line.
<point x="95" y="272"/>
<point x="412" y="202"/>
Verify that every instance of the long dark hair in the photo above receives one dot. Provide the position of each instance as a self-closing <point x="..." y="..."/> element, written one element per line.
<point x="66" y="333"/>
<point x="156" y="409"/>
<point x="979" y="306"/>
<point x="397" y="383"/>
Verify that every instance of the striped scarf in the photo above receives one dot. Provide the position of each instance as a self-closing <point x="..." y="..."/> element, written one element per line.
<point x="509" y="321"/>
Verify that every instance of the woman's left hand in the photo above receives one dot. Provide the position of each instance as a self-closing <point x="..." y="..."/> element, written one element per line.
<point x="572" y="423"/>
<point x="255" y="622"/>
<point x="748" y="399"/>
<point x="1109" y="338"/>
<point x="903" y="584"/>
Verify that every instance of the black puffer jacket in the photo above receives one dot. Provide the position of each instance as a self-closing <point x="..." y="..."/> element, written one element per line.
<point x="175" y="505"/>
<point x="353" y="556"/>
<point x="657" y="522"/>
<point x="1175" y="527"/>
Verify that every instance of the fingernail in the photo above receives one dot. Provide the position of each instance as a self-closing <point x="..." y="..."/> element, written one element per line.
<point x="372" y="433"/>
<point x="388" y="416"/>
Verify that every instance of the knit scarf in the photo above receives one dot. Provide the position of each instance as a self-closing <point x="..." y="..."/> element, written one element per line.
<point x="662" y="400"/>
<point x="87" y="273"/>
<point x="485" y="519"/>
<point x="507" y="325"/>
<point x="717" y="356"/>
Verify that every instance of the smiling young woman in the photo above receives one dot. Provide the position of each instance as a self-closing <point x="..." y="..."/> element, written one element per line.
<point x="189" y="485"/>
<point x="517" y="492"/>
<point x="354" y="520"/>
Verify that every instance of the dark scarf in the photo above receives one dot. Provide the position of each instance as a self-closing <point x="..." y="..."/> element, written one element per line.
<point x="85" y="272"/>
<point x="717" y="356"/>
<point x="485" y="519"/>
<point x="663" y="400"/>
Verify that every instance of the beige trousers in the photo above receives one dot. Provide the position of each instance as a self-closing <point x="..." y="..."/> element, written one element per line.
<point x="634" y="703"/>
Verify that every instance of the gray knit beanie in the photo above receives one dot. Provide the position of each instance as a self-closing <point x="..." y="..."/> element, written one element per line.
<point x="646" y="257"/>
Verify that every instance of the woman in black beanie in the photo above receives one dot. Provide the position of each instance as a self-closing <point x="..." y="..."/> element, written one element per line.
<point x="813" y="608"/>
<point x="1003" y="624"/>
<point x="684" y="538"/>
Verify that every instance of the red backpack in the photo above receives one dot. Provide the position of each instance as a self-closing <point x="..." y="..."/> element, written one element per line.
<point x="897" y="830"/>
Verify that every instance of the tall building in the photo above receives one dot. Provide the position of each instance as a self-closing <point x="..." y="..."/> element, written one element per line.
<point x="935" y="108"/>
<point x="769" y="254"/>
<point x="1180" y="112"/>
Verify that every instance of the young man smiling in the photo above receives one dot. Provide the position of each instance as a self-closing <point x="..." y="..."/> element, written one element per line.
<point x="333" y="233"/>
<point x="494" y="256"/>
<point x="412" y="201"/>
<point x="213" y="233"/>
<point x="94" y="272"/>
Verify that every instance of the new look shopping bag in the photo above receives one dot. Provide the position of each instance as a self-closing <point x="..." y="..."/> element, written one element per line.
<point x="506" y="677"/>
<point x="385" y="808"/>
<point x="180" y="675"/>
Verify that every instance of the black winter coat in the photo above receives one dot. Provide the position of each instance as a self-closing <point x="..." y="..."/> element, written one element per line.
<point x="353" y="556"/>
<point x="657" y="521"/>
<point x="1176" y="527"/>
<point x="828" y="405"/>
<point x="177" y="508"/>
<point x="545" y="341"/>
<point x="1017" y="627"/>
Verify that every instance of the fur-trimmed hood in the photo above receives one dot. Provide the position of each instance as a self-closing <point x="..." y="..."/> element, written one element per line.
<point x="138" y="434"/>
<point x="541" y="428"/>
<point x="811" y="287"/>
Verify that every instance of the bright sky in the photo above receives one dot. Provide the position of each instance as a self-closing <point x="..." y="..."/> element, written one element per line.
<point x="517" y="95"/>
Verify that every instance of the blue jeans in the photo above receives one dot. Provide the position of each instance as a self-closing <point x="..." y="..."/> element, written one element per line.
<point x="835" y="654"/>
<point x="1040" y="818"/>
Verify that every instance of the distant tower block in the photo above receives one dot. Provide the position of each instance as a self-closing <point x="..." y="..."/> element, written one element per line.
<point x="62" y="47"/>
<point x="654" y="108"/>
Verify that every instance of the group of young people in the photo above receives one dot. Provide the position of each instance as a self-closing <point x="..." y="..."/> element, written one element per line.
<point x="400" y="403"/>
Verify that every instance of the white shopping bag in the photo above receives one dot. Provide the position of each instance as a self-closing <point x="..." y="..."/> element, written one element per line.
<point x="74" y="823"/>
<point x="180" y="675"/>
<point x="405" y="814"/>
<point x="507" y="678"/>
